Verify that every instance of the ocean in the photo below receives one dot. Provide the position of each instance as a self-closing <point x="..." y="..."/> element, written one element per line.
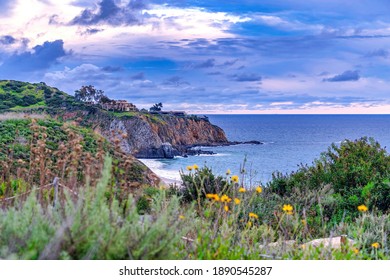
<point x="289" y="140"/>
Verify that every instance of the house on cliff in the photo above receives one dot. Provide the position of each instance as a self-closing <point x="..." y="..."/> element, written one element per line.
<point x="119" y="105"/>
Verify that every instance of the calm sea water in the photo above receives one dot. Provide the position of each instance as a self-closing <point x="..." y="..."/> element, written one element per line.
<point x="289" y="140"/>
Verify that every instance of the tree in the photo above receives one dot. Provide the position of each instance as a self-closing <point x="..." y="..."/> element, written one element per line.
<point x="156" y="107"/>
<point x="89" y="94"/>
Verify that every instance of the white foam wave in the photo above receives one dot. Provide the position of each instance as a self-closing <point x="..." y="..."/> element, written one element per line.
<point x="158" y="168"/>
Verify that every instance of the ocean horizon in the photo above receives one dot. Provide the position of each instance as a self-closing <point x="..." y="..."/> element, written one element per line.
<point x="288" y="141"/>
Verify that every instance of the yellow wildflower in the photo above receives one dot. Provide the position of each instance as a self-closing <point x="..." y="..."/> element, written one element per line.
<point x="253" y="215"/>
<point x="196" y="167"/>
<point x="241" y="190"/>
<point x="213" y="196"/>
<point x="249" y="224"/>
<point x="181" y="217"/>
<point x="237" y="201"/>
<point x="225" y="198"/>
<point x="356" y="251"/>
<point x="210" y="195"/>
<point x="228" y="172"/>
<point x="288" y="209"/>
<point x="189" y="168"/>
<point x="375" y="245"/>
<point x="259" y="189"/>
<point x="235" y="178"/>
<point x="226" y="208"/>
<point x="362" y="208"/>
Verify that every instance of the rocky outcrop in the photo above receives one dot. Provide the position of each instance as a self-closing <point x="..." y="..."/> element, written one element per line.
<point x="153" y="136"/>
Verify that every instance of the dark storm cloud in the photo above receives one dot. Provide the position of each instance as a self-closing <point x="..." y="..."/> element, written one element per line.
<point x="110" y="13"/>
<point x="42" y="57"/>
<point x="246" y="77"/>
<point x="345" y="77"/>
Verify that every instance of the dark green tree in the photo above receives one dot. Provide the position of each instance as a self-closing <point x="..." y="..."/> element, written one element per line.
<point x="156" y="107"/>
<point x="89" y="94"/>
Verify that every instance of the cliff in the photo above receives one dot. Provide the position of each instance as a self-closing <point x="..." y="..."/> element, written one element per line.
<point x="152" y="136"/>
<point x="140" y="134"/>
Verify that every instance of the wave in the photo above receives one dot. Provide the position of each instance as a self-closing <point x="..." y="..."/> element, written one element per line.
<point x="158" y="168"/>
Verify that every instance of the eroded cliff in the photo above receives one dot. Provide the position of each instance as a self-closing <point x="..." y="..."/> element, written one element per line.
<point x="152" y="136"/>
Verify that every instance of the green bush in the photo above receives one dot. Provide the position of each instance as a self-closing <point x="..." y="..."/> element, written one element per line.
<point x="92" y="227"/>
<point x="358" y="172"/>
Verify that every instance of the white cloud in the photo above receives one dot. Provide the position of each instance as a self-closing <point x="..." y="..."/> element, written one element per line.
<point x="31" y="18"/>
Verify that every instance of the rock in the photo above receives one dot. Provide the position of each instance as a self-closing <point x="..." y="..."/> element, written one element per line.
<point x="280" y="244"/>
<point x="332" y="242"/>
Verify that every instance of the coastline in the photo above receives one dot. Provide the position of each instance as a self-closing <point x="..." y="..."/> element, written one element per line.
<point x="170" y="182"/>
<point x="167" y="177"/>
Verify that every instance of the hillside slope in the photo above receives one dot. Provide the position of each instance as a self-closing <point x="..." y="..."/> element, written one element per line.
<point x="37" y="151"/>
<point x="147" y="135"/>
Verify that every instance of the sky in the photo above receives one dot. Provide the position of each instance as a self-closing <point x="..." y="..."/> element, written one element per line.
<point x="205" y="56"/>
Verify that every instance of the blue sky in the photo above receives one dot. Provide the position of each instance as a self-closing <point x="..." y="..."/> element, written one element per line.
<point x="247" y="56"/>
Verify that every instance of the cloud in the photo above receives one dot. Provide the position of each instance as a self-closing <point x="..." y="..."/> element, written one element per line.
<point x="90" y="31"/>
<point x="138" y="77"/>
<point x="176" y="81"/>
<point x="41" y="57"/>
<point x="378" y="53"/>
<point x="245" y="77"/>
<point x="7" y="40"/>
<point x="108" y="12"/>
<point x="344" y="77"/>
<point x="217" y="73"/>
<point x="112" y="69"/>
<point x="209" y="63"/>
<point x="230" y="62"/>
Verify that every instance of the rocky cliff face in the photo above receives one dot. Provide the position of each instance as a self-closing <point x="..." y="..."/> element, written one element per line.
<point x="154" y="136"/>
<point x="162" y="136"/>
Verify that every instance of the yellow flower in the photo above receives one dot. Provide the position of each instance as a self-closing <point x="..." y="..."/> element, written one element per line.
<point x="210" y="195"/>
<point x="362" y="208"/>
<point x="288" y="209"/>
<point x="249" y="224"/>
<point x="181" y="217"/>
<point x="253" y="215"/>
<point x="196" y="167"/>
<point x="303" y="222"/>
<point x="213" y="196"/>
<point x="356" y="251"/>
<point x="226" y="208"/>
<point x="235" y="178"/>
<point x="237" y="201"/>
<point x="259" y="189"/>
<point x="228" y="172"/>
<point x="225" y="198"/>
<point x="375" y="245"/>
<point x="241" y="190"/>
<point x="189" y="168"/>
